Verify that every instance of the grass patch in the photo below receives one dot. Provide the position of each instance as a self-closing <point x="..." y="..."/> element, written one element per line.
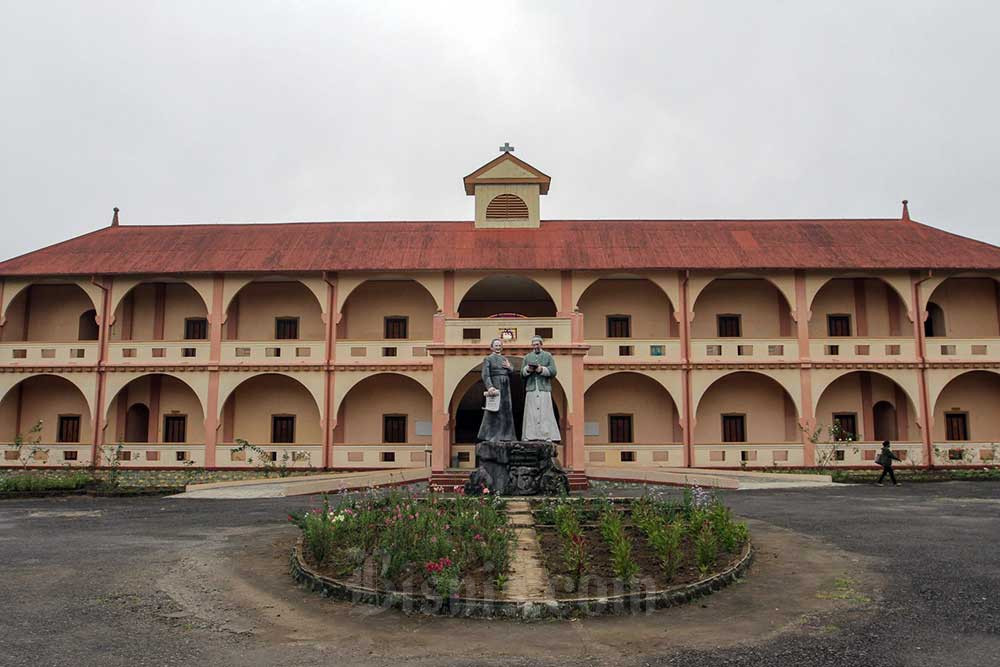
<point x="28" y="483"/>
<point x="844" y="589"/>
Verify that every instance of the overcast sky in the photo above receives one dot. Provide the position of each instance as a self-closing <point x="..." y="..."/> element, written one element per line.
<point x="182" y="112"/>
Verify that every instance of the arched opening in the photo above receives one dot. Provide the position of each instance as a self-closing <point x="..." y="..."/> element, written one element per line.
<point x="156" y="409"/>
<point x="385" y="408"/>
<point x="864" y="406"/>
<point x="626" y="410"/>
<point x="137" y="423"/>
<point x="467" y="404"/>
<point x="965" y="299"/>
<point x="271" y="409"/>
<point x="646" y="310"/>
<point x="741" y="307"/>
<point x="863" y="307"/>
<point x="88" y="329"/>
<point x="886" y="427"/>
<point x="55" y="403"/>
<point x="160" y="311"/>
<point x="507" y="295"/>
<point x="746" y="407"/>
<point x="934" y="325"/>
<point x="44" y="313"/>
<point x="388" y="309"/>
<point x="274" y="310"/>
<point x="968" y="409"/>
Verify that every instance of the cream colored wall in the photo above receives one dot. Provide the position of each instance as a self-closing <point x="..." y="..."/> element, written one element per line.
<point x="645" y="302"/>
<point x="529" y="193"/>
<point x="360" y="418"/>
<point x="977" y="393"/>
<point x="365" y="311"/>
<point x="654" y="418"/>
<point x="176" y="398"/>
<point x="837" y="297"/>
<point x="755" y="300"/>
<point x="770" y="416"/>
<point x="54" y="313"/>
<point x="180" y="302"/>
<point x="880" y="298"/>
<point x="44" y="398"/>
<point x="260" y="397"/>
<point x="970" y="307"/>
<point x="261" y="302"/>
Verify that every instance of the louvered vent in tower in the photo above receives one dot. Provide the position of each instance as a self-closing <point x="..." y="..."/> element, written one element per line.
<point x="507" y="207"/>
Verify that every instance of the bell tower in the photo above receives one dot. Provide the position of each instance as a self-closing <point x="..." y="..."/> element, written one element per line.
<point x="507" y="192"/>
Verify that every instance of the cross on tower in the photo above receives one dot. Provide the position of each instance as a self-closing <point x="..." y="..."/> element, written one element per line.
<point x="506" y="148"/>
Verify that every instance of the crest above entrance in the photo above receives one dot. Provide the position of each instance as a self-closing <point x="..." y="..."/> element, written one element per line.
<point x="507" y="191"/>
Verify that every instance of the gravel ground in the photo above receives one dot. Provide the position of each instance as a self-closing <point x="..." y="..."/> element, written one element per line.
<point x="153" y="581"/>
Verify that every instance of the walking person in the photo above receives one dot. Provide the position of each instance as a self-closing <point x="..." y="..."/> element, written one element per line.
<point x="885" y="459"/>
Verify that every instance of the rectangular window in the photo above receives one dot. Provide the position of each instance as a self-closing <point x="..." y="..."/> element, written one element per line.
<point x="619" y="428"/>
<point x="544" y="332"/>
<point x="68" y="428"/>
<point x="956" y="426"/>
<point x="181" y="456"/>
<point x="195" y="328"/>
<point x="393" y="428"/>
<point x="734" y="428"/>
<point x="619" y="326"/>
<point x="845" y="426"/>
<point x="396" y="327"/>
<point x="286" y="328"/>
<point x="838" y="325"/>
<point x="388" y="457"/>
<point x="729" y="326"/>
<point x="471" y="334"/>
<point x="282" y="428"/>
<point x="627" y="457"/>
<point x="69" y="455"/>
<point x="175" y="428"/>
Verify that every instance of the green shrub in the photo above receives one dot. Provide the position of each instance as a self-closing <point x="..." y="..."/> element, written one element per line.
<point x="27" y="482"/>
<point x="706" y="548"/>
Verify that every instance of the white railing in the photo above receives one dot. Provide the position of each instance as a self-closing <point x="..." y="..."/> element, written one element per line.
<point x="862" y="349"/>
<point x="749" y="454"/>
<point x="480" y="330"/>
<point x="274" y="351"/>
<point x="965" y="349"/>
<point x="158" y="352"/>
<point x="361" y="351"/>
<point x="61" y="353"/>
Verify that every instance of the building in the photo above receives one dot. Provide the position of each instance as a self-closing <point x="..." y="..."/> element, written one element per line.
<point x="356" y="345"/>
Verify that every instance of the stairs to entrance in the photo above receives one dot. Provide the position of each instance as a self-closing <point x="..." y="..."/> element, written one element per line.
<point x="453" y="477"/>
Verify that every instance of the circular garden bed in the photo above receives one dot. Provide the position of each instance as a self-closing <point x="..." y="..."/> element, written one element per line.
<point x="488" y="556"/>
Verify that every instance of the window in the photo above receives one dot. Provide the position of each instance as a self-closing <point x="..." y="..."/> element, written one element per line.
<point x="956" y="426"/>
<point x="181" y="456"/>
<point x="506" y="206"/>
<point x="388" y="457"/>
<point x="619" y="428"/>
<point x="68" y="429"/>
<point x="396" y="327"/>
<point x="175" y="428"/>
<point x="195" y="328"/>
<point x="69" y="455"/>
<point x="286" y="328"/>
<point x="619" y="326"/>
<point x="627" y="457"/>
<point x="544" y="332"/>
<point x="838" y="325"/>
<point x="393" y="428"/>
<point x="845" y="426"/>
<point x="471" y="334"/>
<point x="282" y="428"/>
<point x="729" y="326"/>
<point x="734" y="428"/>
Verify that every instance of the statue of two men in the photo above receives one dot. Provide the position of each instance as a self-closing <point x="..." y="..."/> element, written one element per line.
<point x="537" y="370"/>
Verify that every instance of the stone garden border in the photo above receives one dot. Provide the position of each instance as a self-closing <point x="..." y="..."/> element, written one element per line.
<point x="523" y="609"/>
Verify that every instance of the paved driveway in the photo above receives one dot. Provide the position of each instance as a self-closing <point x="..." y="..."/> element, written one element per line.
<point x="849" y="575"/>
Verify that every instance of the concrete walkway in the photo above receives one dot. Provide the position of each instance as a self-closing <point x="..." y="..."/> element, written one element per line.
<point x="304" y="485"/>
<point x="709" y="478"/>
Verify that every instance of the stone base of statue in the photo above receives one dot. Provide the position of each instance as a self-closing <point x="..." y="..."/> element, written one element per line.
<point x="519" y="468"/>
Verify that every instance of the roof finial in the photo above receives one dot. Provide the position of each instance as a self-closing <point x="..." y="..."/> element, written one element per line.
<point x="906" y="210"/>
<point x="114" y="220"/>
<point x="506" y="148"/>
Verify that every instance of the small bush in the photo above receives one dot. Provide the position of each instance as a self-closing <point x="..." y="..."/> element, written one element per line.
<point x="38" y="483"/>
<point x="706" y="548"/>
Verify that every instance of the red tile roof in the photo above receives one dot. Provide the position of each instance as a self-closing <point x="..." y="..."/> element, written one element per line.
<point x="558" y="244"/>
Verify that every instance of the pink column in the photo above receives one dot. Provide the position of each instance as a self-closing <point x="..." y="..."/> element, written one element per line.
<point x="926" y="417"/>
<point x="440" y="445"/>
<point x="103" y="335"/>
<point x="575" y="452"/>
<point x="687" y="399"/>
<point x="333" y="315"/>
<point x="214" y="357"/>
<point x="808" y="417"/>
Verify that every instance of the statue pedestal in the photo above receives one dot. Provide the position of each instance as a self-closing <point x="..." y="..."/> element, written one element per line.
<point x="519" y="468"/>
